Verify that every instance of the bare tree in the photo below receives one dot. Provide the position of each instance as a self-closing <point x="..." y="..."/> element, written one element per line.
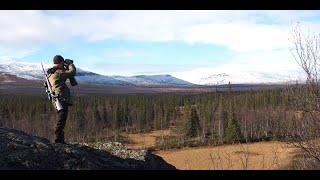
<point x="306" y="98"/>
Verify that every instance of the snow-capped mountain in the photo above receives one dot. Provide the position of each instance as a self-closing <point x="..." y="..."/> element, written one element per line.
<point x="93" y="78"/>
<point x="154" y="80"/>
<point x="32" y="71"/>
<point x="253" y="77"/>
<point x="215" y="79"/>
<point x="28" y="71"/>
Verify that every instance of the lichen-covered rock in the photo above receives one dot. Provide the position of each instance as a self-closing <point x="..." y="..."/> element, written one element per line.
<point x="19" y="150"/>
<point x="119" y="150"/>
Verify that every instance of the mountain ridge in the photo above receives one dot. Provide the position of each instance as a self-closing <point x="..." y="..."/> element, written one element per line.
<point x="252" y="77"/>
<point x="32" y="71"/>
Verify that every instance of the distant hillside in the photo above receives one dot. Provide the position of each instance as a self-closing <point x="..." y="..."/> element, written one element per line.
<point x="32" y="71"/>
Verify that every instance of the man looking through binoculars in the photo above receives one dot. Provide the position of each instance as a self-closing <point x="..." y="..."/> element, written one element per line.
<point x="57" y="76"/>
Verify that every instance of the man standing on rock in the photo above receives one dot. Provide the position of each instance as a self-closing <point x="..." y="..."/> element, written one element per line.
<point x="57" y="75"/>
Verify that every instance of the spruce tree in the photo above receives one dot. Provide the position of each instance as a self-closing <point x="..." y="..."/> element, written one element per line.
<point x="233" y="131"/>
<point x="221" y="117"/>
<point x="192" y="127"/>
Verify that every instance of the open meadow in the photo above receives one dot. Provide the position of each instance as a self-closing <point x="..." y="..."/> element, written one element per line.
<point x="259" y="155"/>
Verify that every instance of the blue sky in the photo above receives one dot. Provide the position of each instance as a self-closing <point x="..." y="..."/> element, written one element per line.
<point x="187" y="44"/>
<point x="116" y="56"/>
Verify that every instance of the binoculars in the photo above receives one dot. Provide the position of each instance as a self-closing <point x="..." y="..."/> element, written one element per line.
<point x="72" y="79"/>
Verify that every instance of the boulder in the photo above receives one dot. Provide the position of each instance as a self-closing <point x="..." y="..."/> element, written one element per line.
<point x="22" y="151"/>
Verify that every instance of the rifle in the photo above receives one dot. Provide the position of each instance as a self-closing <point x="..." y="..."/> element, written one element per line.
<point x="50" y="93"/>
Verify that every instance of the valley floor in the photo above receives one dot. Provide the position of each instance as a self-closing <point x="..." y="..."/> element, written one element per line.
<point x="259" y="155"/>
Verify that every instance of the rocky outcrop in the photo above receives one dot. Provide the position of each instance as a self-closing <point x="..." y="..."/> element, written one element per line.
<point x="19" y="150"/>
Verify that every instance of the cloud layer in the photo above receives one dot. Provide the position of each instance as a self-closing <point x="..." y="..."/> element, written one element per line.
<point x="259" y="39"/>
<point x="237" y="30"/>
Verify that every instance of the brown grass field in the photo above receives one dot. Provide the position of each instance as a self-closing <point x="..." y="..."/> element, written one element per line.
<point x="145" y="140"/>
<point x="256" y="156"/>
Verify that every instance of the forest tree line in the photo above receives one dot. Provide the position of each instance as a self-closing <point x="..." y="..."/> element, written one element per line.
<point x="227" y="115"/>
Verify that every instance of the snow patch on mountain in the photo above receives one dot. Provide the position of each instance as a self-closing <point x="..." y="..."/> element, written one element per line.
<point x="253" y="77"/>
<point x="32" y="71"/>
<point x="29" y="71"/>
<point x="154" y="80"/>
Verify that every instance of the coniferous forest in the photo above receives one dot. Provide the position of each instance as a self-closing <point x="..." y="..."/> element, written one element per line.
<point x="225" y="116"/>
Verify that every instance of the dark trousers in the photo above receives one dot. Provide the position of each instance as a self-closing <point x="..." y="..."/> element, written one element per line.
<point x="61" y="122"/>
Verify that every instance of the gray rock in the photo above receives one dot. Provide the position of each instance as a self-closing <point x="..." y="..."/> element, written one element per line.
<point x="21" y="151"/>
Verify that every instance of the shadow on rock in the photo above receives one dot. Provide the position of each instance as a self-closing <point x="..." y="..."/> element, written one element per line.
<point x="22" y="151"/>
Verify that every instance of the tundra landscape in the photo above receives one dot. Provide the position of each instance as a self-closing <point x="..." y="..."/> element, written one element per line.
<point x="209" y="90"/>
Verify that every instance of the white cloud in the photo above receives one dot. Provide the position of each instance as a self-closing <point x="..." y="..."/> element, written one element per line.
<point x="239" y="30"/>
<point x="247" y="67"/>
<point x="257" y="37"/>
<point x="240" y="37"/>
<point x="28" y="28"/>
<point x="13" y="54"/>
